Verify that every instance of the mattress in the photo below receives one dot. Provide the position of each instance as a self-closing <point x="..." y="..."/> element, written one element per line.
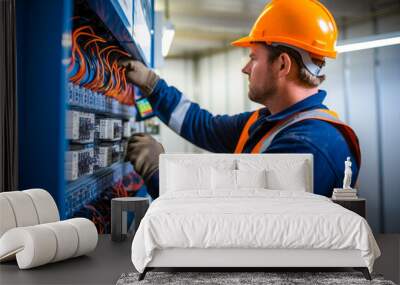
<point x="250" y="219"/>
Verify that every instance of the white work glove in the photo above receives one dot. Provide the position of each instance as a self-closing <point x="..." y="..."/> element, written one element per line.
<point x="138" y="74"/>
<point x="143" y="152"/>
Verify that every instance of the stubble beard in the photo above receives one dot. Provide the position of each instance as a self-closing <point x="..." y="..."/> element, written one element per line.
<point x="262" y="96"/>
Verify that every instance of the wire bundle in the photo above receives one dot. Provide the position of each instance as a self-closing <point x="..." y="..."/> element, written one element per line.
<point x="98" y="211"/>
<point x="94" y="65"/>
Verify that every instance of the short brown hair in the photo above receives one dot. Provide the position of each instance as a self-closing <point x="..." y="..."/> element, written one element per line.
<point x="305" y="76"/>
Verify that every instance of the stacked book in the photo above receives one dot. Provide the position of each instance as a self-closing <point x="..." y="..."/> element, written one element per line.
<point x="344" y="194"/>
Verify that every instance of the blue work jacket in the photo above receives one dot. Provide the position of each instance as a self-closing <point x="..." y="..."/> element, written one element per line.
<point x="220" y="133"/>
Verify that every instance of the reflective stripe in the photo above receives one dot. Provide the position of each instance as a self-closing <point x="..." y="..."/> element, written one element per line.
<point x="244" y="136"/>
<point x="178" y="115"/>
<point x="266" y="141"/>
<point x="317" y="114"/>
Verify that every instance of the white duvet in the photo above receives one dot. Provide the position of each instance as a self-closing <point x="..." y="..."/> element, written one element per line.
<point x="253" y="218"/>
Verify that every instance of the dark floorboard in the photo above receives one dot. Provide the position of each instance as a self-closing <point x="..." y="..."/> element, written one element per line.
<point x="110" y="260"/>
<point x="102" y="266"/>
<point x="389" y="262"/>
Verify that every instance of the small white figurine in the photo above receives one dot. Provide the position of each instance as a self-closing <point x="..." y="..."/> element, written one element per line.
<point x="347" y="174"/>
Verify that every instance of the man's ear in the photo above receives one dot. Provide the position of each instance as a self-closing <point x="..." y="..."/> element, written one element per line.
<point x="285" y="64"/>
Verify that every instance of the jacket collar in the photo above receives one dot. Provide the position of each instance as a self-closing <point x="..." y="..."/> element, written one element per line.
<point x="311" y="102"/>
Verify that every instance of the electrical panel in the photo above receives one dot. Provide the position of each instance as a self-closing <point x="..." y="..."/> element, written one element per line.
<point x="101" y="116"/>
<point x="79" y="111"/>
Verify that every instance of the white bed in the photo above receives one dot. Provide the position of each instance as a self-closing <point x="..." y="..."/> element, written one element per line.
<point x="202" y="220"/>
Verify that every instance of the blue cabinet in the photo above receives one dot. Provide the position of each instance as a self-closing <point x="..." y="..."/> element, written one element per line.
<point x="129" y="29"/>
<point x="44" y="29"/>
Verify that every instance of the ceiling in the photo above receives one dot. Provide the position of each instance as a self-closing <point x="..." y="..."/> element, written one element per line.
<point x="209" y="25"/>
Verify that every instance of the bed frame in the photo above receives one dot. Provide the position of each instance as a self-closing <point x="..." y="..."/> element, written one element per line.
<point x="245" y="258"/>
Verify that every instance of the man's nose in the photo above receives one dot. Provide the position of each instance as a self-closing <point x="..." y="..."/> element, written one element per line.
<point x="245" y="69"/>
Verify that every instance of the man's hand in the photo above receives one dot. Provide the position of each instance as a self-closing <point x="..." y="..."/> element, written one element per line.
<point x="137" y="73"/>
<point x="143" y="152"/>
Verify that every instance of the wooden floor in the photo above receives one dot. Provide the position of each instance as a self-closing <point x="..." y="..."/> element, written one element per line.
<point x="102" y="266"/>
<point x="389" y="262"/>
<point x="110" y="260"/>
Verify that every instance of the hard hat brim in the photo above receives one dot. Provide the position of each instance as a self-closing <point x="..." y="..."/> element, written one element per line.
<point x="243" y="42"/>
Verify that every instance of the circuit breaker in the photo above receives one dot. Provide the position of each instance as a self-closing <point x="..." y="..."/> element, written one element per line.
<point x="109" y="129"/>
<point x="116" y="152"/>
<point x="78" y="163"/>
<point x="80" y="126"/>
<point x="103" y="154"/>
<point x="129" y="128"/>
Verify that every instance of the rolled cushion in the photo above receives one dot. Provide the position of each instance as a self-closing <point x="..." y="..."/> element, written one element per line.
<point x="40" y="244"/>
<point x="87" y="234"/>
<point x="26" y="208"/>
<point x="7" y="218"/>
<point x="67" y="240"/>
<point x="23" y="208"/>
<point x="33" y="246"/>
<point x="45" y="205"/>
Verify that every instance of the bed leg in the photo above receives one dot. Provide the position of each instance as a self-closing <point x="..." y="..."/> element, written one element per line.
<point x="364" y="271"/>
<point x="143" y="274"/>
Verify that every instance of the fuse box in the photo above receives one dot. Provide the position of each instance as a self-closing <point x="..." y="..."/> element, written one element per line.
<point x="101" y="104"/>
<point x="79" y="110"/>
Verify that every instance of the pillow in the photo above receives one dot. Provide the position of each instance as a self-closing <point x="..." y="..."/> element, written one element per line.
<point x="236" y="179"/>
<point x="194" y="174"/>
<point x="183" y="177"/>
<point x="281" y="174"/>
<point x="223" y="179"/>
<point x="251" y="178"/>
<point x="292" y="179"/>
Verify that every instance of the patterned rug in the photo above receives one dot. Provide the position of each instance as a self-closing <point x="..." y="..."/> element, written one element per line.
<point x="242" y="278"/>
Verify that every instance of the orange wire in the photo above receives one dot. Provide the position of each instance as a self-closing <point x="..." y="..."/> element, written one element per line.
<point x="78" y="77"/>
<point x="116" y="86"/>
<point x="113" y="87"/>
<point x="75" y="35"/>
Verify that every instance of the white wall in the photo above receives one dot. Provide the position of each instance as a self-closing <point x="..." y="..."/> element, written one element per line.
<point x="222" y="84"/>
<point x="352" y="76"/>
<point x="180" y="74"/>
<point x="388" y="79"/>
<point x="215" y="82"/>
<point x="362" y="87"/>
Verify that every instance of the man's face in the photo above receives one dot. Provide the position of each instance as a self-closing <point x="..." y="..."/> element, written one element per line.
<point x="262" y="77"/>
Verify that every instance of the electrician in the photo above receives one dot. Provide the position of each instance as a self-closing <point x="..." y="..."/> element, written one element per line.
<point x="288" y="46"/>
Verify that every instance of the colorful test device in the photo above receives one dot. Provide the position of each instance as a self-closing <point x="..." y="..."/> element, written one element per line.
<point x="144" y="108"/>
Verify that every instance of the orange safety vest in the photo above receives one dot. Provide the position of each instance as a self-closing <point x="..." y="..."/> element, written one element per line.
<point x="316" y="114"/>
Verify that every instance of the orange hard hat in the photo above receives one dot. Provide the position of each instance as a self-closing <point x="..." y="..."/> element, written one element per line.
<point x="305" y="24"/>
